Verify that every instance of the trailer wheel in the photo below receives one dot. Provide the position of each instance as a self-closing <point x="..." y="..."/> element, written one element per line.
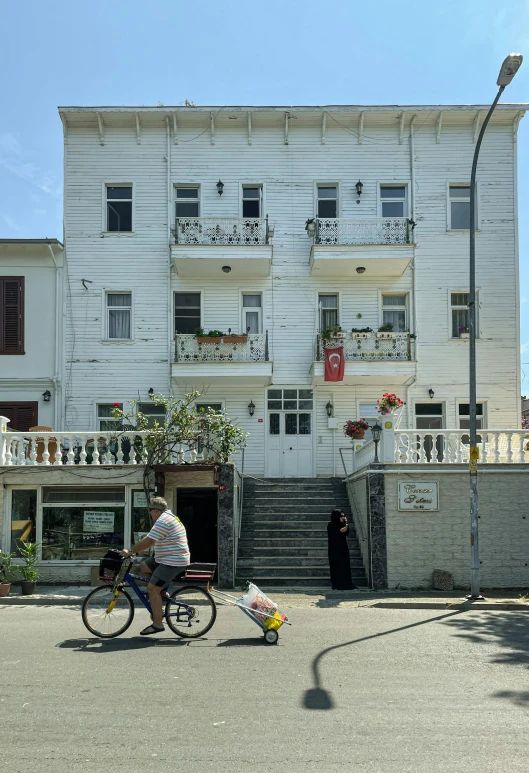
<point x="271" y="637"/>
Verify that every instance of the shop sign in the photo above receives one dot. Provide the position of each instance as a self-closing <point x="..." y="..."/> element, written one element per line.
<point x="140" y="500"/>
<point x="418" y="495"/>
<point x="96" y="521"/>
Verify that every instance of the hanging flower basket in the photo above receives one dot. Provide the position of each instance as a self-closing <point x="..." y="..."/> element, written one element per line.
<point x="355" y="430"/>
<point x="388" y="403"/>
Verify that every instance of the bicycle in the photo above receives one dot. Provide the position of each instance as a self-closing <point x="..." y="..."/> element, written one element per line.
<point x="108" y="610"/>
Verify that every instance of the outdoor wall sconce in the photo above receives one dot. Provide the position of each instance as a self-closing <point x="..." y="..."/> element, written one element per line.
<point x="431" y="393"/>
<point x="360" y="270"/>
<point x="151" y="391"/>
<point x="47" y="396"/>
<point x="376" y="432"/>
<point x="251" y="408"/>
<point x="330" y="409"/>
<point x="310" y="227"/>
<point x="220" y="187"/>
<point x="358" y="187"/>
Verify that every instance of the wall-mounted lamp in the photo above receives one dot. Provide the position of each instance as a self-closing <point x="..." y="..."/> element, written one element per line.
<point x="47" y="396"/>
<point x="360" y="270"/>
<point x="431" y="393"/>
<point x="310" y="226"/>
<point x="251" y="408"/>
<point x="220" y="187"/>
<point x="358" y="187"/>
<point x="330" y="409"/>
<point x="376" y="433"/>
<point x="226" y="269"/>
<point x="151" y="391"/>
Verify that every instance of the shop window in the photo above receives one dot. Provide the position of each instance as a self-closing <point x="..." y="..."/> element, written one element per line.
<point x="23" y="517"/>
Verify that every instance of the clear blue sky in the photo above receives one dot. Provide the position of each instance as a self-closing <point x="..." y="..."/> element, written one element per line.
<point x="216" y="52"/>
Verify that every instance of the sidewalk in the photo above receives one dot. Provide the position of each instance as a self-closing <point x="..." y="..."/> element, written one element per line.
<point x="290" y="598"/>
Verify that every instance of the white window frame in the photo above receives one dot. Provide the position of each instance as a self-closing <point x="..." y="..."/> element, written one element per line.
<point x="394" y="184"/>
<point x="466" y="183"/>
<point x="196" y="291"/>
<point x="406" y="307"/>
<point x="249" y="184"/>
<point x="251" y="308"/>
<point x="107" y="418"/>
<point x="443" y="415"/>
<point x="104" y="223"/>
<point x="151" y="415"/>
<point x="105" y="332"/>
<point x="324" y="184"/>
<point x="360" y="415"/>
<point x="465" y="401"/>
<point x="318" y="310"/>
<point x="194" y="186"/>
<point x="220" y="402"/>
<point x="450" y="307"/>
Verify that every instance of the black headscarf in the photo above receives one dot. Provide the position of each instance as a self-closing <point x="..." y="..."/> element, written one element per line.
<point x="336" y="516"/>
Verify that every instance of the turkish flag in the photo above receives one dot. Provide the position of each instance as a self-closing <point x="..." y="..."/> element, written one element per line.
<point x="334" y="364"/>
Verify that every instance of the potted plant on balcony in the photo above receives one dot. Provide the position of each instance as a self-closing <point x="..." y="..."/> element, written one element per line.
<point x="29" y="552"/>
<point x="235" y="339"/>
<point x="361" y="332"/>
<point x="213" y="337"/>
<point x="463" y="332"/>
<point x="388" y="403"/>
<point x="6" y="572"/>
<point x="355" y="429"/>
<point x="386" y="331"/>
<point x="332" y="333"/>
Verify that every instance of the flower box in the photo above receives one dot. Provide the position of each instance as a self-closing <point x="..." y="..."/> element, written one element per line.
<point x="464" y="335"/>
<point x="361" y="335"/>
<point x="209" y="340"/>
<point x="235" y="339"/>
<point x="386" y="334"/>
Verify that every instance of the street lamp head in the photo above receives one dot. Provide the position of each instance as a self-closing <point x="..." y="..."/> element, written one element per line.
<point x="511" y="65"/>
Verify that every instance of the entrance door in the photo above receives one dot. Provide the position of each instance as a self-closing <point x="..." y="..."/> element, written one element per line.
<point x="289" y="433"/>
<point x="430" y="416"/>
<point x="197" y="509"/>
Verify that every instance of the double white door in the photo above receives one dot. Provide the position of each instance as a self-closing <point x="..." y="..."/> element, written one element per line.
<point x="289" y="445"/>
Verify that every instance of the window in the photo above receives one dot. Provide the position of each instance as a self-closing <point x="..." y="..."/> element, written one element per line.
<point x="327" y="205"/>
<point x="394" y="312"/>
<point x="186" y="312"/>
<point x="11" y="315"/>
<point x="290" y="399"/>
<point x="251" y="313"/>
<point x="460" y="317"/>
<point x="155" y="414"/>
<point x="251" y="201"/>
<point x="119" y="208"/>
<point x="203" y="407"/>
<point x="105" y="419"/>
<point x="23" y="517"/>
<point x="459" y="208"/>
<point x="464" y="419"/>
<point x="393" y="201"/>
<point x="187" y="202"/>
<point x="119" y="315"/>
<point x="21" y="416"/>
<point x="430" y="416"/>
<point x="328" y="308"/>
<point x="368" y="411"/>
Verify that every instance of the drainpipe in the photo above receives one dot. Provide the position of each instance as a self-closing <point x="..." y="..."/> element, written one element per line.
<point x="169" y="211"/>
<point x="412" y="201"/>
<point x="56" y="376"/>
<point x="413" y="383"/>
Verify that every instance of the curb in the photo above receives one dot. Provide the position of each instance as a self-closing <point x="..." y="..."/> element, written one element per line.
<point x="463" y="606"/>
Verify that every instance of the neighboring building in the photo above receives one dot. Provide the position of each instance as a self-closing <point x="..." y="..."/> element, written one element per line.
<point x="525" y="407"/>
<point x="30" y="332"/>
<point x="185" y="218"/>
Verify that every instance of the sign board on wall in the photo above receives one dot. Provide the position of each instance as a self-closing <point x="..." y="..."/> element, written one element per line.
<point x="418" y="495"/>
<point x="140" y="500"/>
<point x="96" y="521"/>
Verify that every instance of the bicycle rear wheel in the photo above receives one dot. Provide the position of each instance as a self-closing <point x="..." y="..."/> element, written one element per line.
<point x="99" y="620"/>
<point x="191" y="612"/>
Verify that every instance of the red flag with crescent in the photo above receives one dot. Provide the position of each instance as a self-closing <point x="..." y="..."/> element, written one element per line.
<point x="334" y="364"/>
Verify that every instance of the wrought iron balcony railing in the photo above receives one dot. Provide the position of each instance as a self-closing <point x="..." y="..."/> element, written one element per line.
<point x="250" y="348"/>
<point x="373" y="230"/>
<point x="221" y="230"/>
<point x="369" y="347"/>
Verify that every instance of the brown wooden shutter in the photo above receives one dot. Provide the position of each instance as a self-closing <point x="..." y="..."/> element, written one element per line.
<point x="21" y="416"/>
<point x="12" y="315"/>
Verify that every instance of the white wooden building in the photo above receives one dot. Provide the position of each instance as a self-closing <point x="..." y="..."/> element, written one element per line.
<point x="184" y="218"/>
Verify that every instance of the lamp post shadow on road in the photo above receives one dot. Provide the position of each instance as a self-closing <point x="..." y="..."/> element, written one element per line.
<point x="510" y="66"/>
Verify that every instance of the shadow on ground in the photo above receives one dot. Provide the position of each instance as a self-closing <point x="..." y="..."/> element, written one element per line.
<point x="106" y="646"/>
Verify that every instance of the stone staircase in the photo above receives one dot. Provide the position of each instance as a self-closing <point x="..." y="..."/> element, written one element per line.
<point x="284" y="532"/>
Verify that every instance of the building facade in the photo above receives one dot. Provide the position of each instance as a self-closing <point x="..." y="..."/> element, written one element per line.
<point x="273" y="227"/>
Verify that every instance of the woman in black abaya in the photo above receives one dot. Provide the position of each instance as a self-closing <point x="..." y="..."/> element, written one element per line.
<point x="339" y="563"/>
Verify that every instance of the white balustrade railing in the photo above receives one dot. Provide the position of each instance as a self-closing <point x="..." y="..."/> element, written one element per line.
<point x="221" y="230"/>
<point x="363" y="456"/>
<point x="450" y="446"/>
<point x="371" y="348"/>
<point x="253" y="349"/>
<point x="372" y="230"/>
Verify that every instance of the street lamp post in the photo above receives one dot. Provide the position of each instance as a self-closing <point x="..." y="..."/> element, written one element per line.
<point x="508" y="70"/>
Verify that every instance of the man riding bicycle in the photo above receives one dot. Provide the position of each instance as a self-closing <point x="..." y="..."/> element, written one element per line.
<point x="171" y="556"/>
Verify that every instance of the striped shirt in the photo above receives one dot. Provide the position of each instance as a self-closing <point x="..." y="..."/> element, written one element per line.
<point x="170" y="539"/>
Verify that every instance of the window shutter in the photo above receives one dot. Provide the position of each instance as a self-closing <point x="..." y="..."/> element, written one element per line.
<point x="21" y="416"/>
<point x="11" y="315"/>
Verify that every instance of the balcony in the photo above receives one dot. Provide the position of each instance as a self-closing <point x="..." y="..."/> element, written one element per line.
<point x="221" y="360"/>
<point x="207" y="246"/>
<point x="380" y="246"/>
<point x="369" y="358"/>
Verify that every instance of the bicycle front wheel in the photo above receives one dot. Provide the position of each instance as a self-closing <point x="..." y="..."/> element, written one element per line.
<point x="105" y="615"/>
<point x="191" y="612"/>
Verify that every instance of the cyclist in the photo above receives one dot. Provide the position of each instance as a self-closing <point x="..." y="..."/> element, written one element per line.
<point x="171" y="556"/>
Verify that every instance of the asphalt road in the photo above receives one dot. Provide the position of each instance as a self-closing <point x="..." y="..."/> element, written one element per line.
<point x="345" y="690"/>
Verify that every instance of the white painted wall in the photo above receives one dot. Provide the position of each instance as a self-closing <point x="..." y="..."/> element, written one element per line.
<point x="102" y="371"/>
